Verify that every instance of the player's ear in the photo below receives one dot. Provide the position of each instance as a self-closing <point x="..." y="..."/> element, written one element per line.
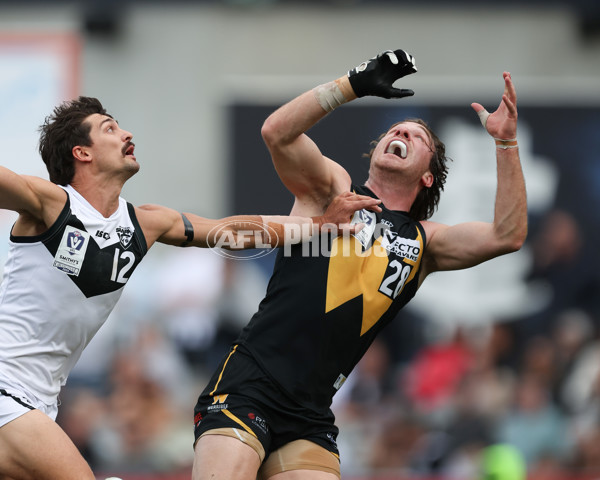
<point x="81" y="153"/>
<point x="427" y="179"/>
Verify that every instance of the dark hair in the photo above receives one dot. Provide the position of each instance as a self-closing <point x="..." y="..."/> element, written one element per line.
<point x="64" y="129"/>
<point x="428" y="198"/>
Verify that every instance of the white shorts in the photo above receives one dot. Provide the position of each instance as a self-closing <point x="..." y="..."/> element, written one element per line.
<point x="14" y="403"/>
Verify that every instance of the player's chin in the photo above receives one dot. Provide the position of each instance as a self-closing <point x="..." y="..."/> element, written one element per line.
<point x="133" y="168"/>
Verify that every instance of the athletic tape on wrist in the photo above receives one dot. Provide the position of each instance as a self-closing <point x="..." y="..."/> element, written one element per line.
<point x="329" y="96"/>
<point x="505" y="144"/>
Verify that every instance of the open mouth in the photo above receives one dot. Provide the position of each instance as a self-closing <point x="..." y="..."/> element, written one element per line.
<point x="398" y="148"/>
<point x="129" y="149"/>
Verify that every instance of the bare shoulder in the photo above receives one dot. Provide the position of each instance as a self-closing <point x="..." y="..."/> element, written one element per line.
<point x="153" y="216"/>
<point x="156" y="220"/>
<point x="431" y="228"/>
<point x="429" y="262"/>
<point x="40" y="198"/>
<point x="37" y="201"/>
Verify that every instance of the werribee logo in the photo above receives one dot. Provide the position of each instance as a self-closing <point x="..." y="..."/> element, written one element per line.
<point x="226" y="242"/>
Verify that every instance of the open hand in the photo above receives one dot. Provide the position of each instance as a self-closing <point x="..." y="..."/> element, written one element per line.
<point x="501" y="124"/>
<point x="342" y="208"/>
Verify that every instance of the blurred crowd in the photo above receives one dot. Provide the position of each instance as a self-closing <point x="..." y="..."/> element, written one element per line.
<point x="424" y="402"/>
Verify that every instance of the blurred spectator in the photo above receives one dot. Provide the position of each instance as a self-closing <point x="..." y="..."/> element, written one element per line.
<point x="396" y="446"/>
<point x="145" y="430"/>
<point x="562" y="266"/>
<point x="573" y="333"/>
<point x="188" y="290"/>
<point x="581" y="390"/>
<point x="431" y="379"/>
<point x="81" y="415"/>
<point x="534" y="425"/>
<point x="540" y="361"/>
<point x="587" y="459"/>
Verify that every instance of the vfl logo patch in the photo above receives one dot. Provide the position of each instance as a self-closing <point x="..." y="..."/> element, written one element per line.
<point x="125" y="234"/>
<point x="71" y="251"/>
<point x="370" y="221"/>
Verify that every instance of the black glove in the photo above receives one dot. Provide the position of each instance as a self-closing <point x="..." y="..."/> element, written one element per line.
<point x="376" y="76"/>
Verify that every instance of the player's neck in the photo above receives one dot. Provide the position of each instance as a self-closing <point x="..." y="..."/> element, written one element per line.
<point x="103" y="196"/>
<point x="394" y="196"/>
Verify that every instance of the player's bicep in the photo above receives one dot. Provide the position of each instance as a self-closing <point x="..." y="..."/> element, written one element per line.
<point x="21" y="194"/>
<point x="460" y="246"/>
<point x="161" y="224"/>
<point x="302" y="167"/>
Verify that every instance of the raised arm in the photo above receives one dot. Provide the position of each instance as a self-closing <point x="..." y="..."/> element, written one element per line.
<point x="240" y="232"/>
<point x="313" y="178"/>
<point x="468" y="244"/>
<point x="37" y="201"/>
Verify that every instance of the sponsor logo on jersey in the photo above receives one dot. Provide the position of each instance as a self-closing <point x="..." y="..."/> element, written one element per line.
<point x="71" y="251"/>
<point x="259" y="422"/>
<point x="75" y="241"/>
<point x="339" y="382"/>
<point x="403" y="247"/>
<point x="197" y="419"/>
<point x="218" y="403"/>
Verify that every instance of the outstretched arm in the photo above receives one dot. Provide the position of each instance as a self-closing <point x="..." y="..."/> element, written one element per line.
<point x="313" y="178"/>
<point x="240" y="232"/>
<point x="468" y="244"/>
<point x="37" y="201"/>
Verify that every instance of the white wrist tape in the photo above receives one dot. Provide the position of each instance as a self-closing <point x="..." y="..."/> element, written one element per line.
<point x="329" y="96"/>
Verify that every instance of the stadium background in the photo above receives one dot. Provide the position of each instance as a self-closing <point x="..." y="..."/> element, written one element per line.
<point x="503" y="353"/>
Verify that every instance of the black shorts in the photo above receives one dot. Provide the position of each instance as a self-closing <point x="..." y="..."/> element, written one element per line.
<point x="241" y="395"/>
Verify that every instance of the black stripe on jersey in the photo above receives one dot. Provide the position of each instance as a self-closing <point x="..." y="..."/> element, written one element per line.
<point x="138" y="237"/>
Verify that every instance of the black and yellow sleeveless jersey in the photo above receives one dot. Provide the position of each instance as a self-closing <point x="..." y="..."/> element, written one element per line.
<point x="328" y="299"/>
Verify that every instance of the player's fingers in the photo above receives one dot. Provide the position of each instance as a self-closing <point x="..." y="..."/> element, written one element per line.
<point x="364" y="201"/>
<point x="512" y="108"/>
<point x="482" y="113"/>
<point x="392" y="56"/>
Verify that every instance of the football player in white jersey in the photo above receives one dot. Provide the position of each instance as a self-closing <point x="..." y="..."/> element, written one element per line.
<point x="73" y="247"/>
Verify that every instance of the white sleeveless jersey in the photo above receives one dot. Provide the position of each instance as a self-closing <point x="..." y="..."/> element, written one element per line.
<point x="59" y="288"/>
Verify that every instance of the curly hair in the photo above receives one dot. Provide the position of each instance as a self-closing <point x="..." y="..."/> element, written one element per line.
<point x="427" y="199"/>
<point x="64" y="129"/>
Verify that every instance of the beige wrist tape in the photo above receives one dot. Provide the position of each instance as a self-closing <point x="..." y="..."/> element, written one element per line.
<point x="329" y="95"/>
<point x="505" y="144"/>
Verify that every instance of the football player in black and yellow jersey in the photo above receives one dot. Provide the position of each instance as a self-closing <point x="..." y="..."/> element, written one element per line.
<point x="266" y="410"/>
